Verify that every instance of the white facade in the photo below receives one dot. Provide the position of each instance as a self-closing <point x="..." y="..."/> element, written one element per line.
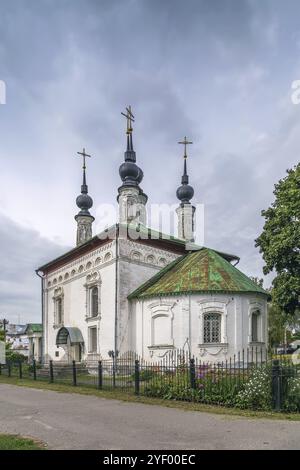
<point x="177" y="322"/>
<point x="150" y="327"/>
<point x="68" y="302"/>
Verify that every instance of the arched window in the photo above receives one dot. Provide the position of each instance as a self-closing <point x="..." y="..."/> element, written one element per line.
<point x="59" y="311"/>
<point x="212" y="328"/>
<point x="94" y="301"/>
<point x="254" y="326"/>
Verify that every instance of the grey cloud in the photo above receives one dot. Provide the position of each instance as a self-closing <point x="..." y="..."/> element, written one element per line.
<point x="207" y="69"/>
<point x="22" y="251"/>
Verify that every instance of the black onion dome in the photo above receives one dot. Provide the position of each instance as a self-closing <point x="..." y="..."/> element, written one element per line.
<point x="130" y="173"/>
<point x="184" y="193"/>
<point x="129" y="170"/>
<point x="84" y="202"/>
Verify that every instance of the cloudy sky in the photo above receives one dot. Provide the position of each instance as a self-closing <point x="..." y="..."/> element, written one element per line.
<point x="218" y="71"/>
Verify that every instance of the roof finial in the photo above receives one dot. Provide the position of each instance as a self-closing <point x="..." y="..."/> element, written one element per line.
<point x="84" y="188"/>
<point x="185" y="178"/>
<point x="185" y="192"/>
<point x="185" y="142"/>
<point x="130" y="119"/>
<point x="84" y="201"/>
<point x="129" y="154"/>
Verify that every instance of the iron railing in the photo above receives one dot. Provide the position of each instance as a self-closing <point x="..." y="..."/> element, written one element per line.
<point x="269" y="381"/>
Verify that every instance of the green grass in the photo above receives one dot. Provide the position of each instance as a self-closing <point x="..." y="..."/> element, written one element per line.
<point x="130" y="397"/>
<point x="12" y="442"/>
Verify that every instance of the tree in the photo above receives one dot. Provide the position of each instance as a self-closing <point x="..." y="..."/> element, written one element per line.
<point x="279" y="242"/>
<point x="258" y="281"/>
<point x="278" y="326"/>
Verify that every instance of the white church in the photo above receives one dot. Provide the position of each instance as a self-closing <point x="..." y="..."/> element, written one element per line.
<point x="131" y="288"/>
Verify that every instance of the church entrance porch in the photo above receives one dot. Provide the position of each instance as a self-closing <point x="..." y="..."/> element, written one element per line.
<point x="70" y="339"/>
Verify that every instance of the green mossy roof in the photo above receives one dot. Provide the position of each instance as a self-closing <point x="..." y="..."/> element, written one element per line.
<point x="199" y="271"/>
<point x="34" y="328"/>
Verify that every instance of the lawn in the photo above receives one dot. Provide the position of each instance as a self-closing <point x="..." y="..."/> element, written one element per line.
<point x="12" y="442"/>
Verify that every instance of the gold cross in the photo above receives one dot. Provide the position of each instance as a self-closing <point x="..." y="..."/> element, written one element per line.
<point x="130" y="119"/>
<point x="185" y="142"/>
<point x="84" y="156"/>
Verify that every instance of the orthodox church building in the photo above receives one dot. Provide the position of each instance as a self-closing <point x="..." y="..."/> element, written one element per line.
<point x="131" y="288"/>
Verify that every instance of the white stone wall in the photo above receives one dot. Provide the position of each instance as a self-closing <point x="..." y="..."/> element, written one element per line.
<point x="183" y="315"/>
<point x="137" y="262"/>
<point x="71" y="279"/>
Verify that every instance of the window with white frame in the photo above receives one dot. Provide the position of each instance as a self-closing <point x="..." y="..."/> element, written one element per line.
<point x="94" y="301"/>
<point x="212" y="328"/>
<point x="93" y="295"/>
<point x="59" y="311"/>
<point x="255" y="326"/>
<point x="58" y="300"/>
<point x="93" y="339"/>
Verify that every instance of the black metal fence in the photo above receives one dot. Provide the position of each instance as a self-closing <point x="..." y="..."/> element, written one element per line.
<point x="251" y="379"/>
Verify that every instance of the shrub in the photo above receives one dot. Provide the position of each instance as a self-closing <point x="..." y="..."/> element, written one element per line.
<point x="256" y="392"/>
<point x="292" y="396"/>
<point x="146" y="375"/>
<point x="210" y="387"/>
<point x="14" y="356"/>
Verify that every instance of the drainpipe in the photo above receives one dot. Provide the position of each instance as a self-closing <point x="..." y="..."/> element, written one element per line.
<point x="116" y="293"/>
<point x="190" y="326"/>
<point x="42" y="301"/>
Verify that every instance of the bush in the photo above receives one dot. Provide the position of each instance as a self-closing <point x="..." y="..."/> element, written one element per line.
<point x="292" y="397"/>
<point x="256" y="392"/>
<point x="14" y="356"/>
<point x="146" y="375"/>
<point x="210" y="387"/>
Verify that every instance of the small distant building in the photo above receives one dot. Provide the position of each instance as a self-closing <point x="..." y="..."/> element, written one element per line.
<point x="34" y="332"/>
<point x="16" y="336"/>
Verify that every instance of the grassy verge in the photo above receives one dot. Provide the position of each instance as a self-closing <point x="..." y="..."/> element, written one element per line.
<point x="12" y="442"/>
<point x="130" y="397"/>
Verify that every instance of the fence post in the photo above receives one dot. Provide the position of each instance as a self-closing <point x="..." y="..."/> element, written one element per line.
<point x="20" y="370"/>
<point x="276" y="385"/>
<point x="51" y="371"/>
<point x="34" y="369"/>
<point x="100" y="372"/>
<point x="74" y="373"/>
<point x="192" y="373"/>
<point x="137" y="377"/>
<point x="9" y="368"/>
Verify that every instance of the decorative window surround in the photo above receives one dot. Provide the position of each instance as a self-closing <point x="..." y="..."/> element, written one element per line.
<point x="213" y="348"/>
<point x="92" y="280"/>
<point x="162" y="309"/>
<point x="254" y="307"/>
<point x="58" y="296"/>
<point x="91" y="319"/>
<point x="213" y="306"/>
